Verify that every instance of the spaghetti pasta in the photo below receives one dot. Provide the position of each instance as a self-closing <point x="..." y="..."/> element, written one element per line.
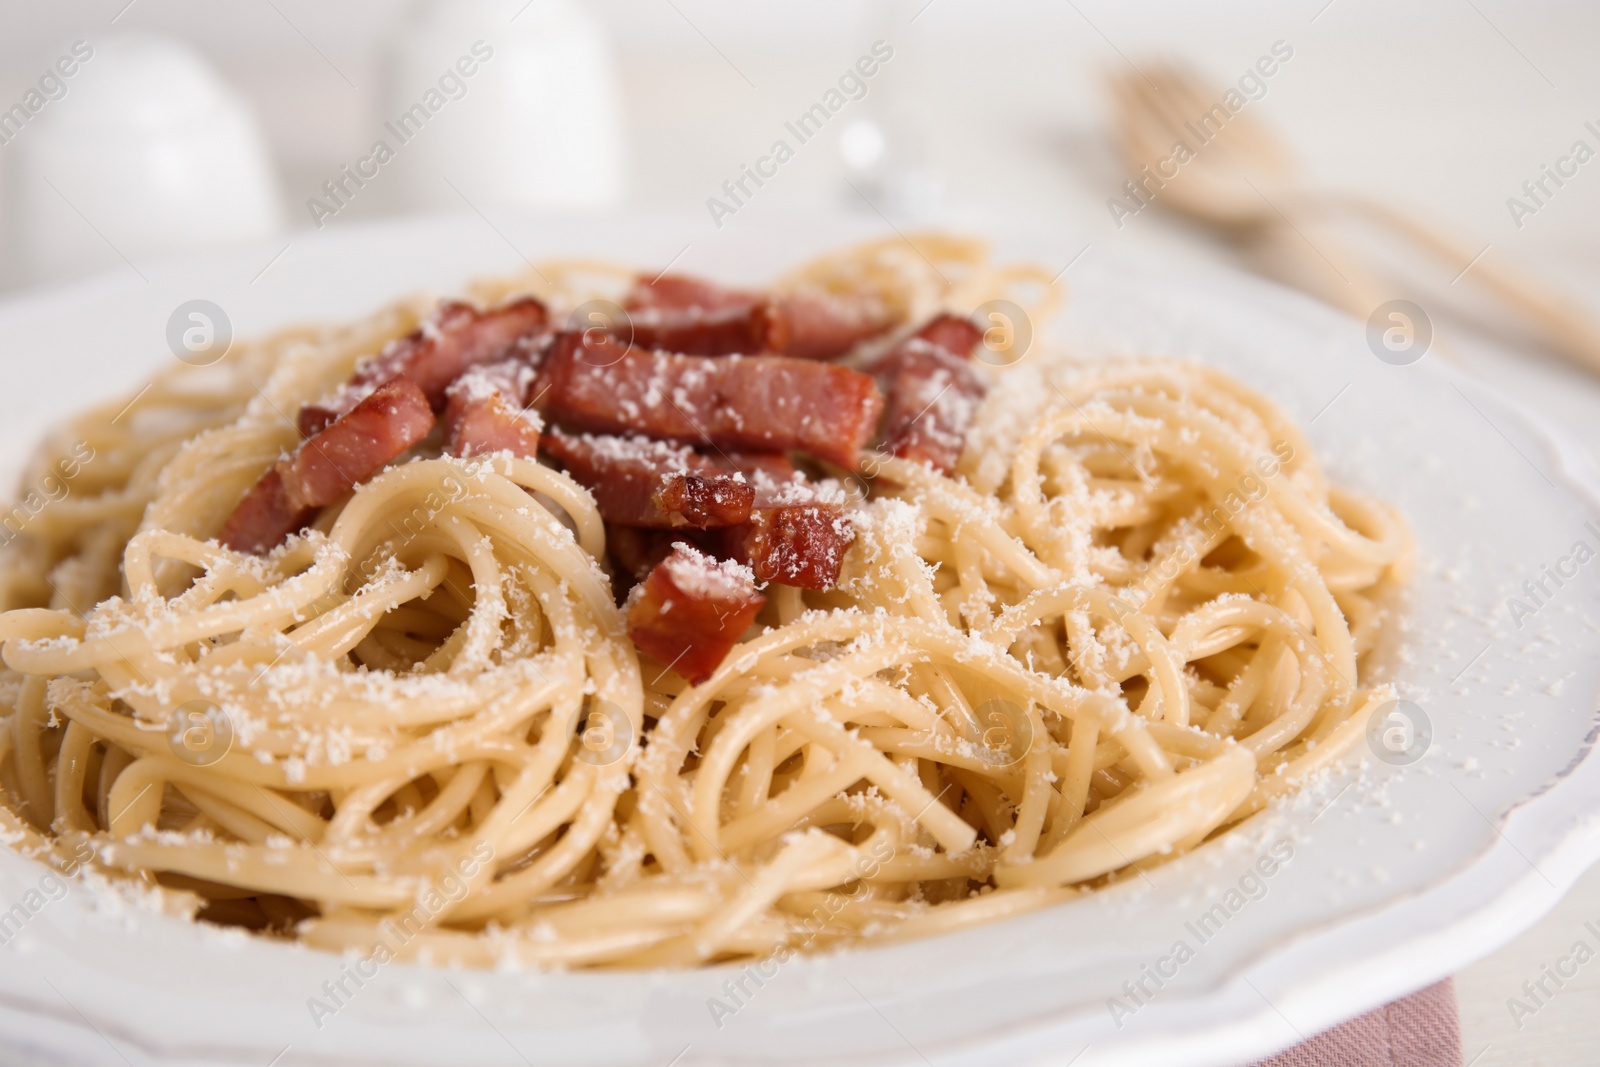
<point x="1135" y="614"/>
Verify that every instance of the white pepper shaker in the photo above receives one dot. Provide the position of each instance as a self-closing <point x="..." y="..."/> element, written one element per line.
<point x="146" y="152"/>
<point x="535" y="125"/>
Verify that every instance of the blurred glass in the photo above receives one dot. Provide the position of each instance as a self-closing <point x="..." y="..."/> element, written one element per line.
<point x="884" y="147"/>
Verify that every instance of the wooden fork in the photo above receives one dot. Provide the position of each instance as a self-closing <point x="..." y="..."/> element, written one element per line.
<point x="1242" y="183"/>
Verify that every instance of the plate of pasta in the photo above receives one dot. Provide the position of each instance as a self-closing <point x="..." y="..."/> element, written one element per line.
<point x="822" y="648"/>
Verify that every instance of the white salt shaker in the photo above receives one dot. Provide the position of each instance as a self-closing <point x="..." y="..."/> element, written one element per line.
<point x="146" y="152"/>
<point x="502" y="104"/>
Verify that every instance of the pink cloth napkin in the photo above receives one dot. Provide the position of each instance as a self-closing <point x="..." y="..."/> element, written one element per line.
<point x="1422" y="1030"/>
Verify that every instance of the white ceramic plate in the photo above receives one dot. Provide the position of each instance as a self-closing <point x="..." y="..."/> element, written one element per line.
<point x="1398" y="875"/>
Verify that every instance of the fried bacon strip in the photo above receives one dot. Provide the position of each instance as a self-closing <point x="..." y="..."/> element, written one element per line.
<point x="933" y="392"/>
<point x="823" y="326"/>
<point x="798" y="532"/>
<point x="264" y="517"/>
<point x="691" y="610"/>
<point x="354" y="447"/>
<point x="769" y="472"/>
<point x="761" y="403"/>
<point x="683" y="292"/>
<point x="801" y="545"/>
<point x="954" y="334"/>
<point x="639" y="482"/>
<point x="483" y="411"/>
<point x="795" y="532"/>
<point x="677" y="313"/>
<point x="455" y="337"/>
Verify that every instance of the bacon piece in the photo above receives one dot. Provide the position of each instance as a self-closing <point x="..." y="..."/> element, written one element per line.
<point x="314" y="418"/>
<point x="349" y="451"/>
<point x="823" y="326"/>
<point x="683" y="314"/>
<point x="793" y="544"/>
<point x="798" y="531"/>
<point x="954" y="334"/>
<point x="765" y="403"/>
<point x="456" y="336"/>
<point x="933" y="392"/>
<point x="678" y="313"/>
<point x="704" y="500"/>
<point x="770" y="474"/>
<point x="682" y="292"/>
<point x="933" y="399"/>
<point x="357" y="445"/>
<point x="483" y="411"/>
<point x="767" y="471"/>
<point x="264" y="517"/>
<point x="691" y="611"/>
<point x="635" y="550"/>
<point x="639" y="482"/>
<point x="708" y="333"/>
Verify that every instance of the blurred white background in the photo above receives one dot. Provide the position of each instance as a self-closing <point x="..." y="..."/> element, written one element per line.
<point x="1448" y="105"/>
<point x="999" y="109"/>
